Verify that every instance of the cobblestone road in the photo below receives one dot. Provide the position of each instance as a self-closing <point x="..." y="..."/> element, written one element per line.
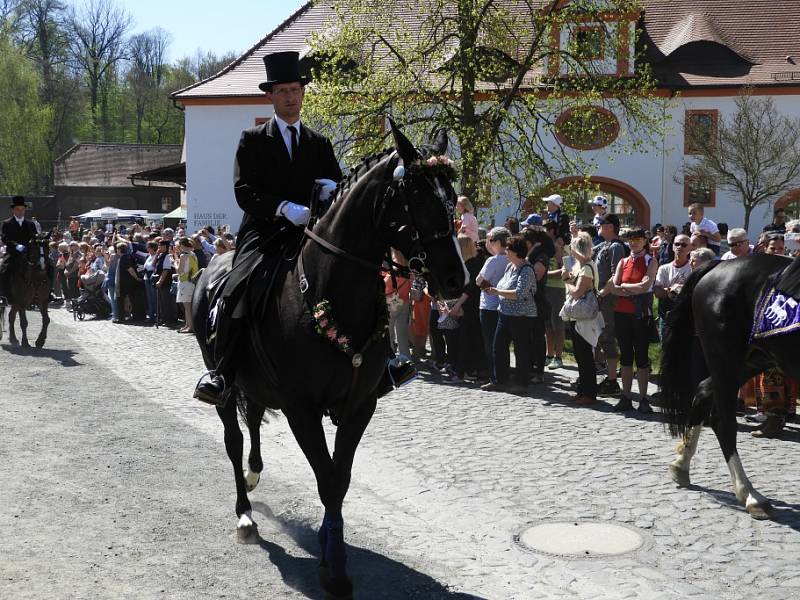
<point x="446" y="476"/>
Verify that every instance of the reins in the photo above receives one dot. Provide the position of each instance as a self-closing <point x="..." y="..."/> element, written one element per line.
<point x="396" y="188"/>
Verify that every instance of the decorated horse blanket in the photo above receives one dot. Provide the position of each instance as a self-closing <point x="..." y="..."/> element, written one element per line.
<point x="778" y="307"/>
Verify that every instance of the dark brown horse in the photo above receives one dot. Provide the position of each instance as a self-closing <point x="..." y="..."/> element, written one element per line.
<point x="389" y="200"/>
<point x="28" y="284"/>
<point x="709" y="351"/>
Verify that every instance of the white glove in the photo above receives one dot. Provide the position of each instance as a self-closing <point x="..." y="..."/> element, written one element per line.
<point x="20" y="248"/>
<point x="328" y="186"/>
<point x="294" y="213"/>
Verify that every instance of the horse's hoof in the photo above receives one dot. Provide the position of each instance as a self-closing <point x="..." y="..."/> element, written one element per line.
<point x="40" y="343"/>
<point x="25" y="344"/>
<point x="335" y="588"/>
<point x="247" y="530"/>
<point x="760" y="512"/>
<point x="679" y="476"/>
<point x="251" y="479"/>
<point x="248" y="534"/>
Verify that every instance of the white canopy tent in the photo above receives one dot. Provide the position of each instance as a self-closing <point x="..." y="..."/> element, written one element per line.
<point x="109" y="213"/>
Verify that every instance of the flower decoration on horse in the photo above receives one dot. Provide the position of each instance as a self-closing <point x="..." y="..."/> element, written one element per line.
<point x="327" y="328"/>
<point x="435" y="166"/>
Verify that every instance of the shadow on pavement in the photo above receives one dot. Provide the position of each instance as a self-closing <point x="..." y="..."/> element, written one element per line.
<point x="62" y="356"/>
<point x="373" y="575"/>
<point x="782" y="513"/>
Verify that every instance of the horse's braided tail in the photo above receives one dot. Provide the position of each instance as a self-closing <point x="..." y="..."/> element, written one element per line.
<point x="677" y="385"/>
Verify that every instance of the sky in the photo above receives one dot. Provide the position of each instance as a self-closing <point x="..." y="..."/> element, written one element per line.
<point x="217" y="25"/>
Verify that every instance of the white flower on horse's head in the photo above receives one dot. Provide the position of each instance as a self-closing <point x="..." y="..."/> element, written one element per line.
<point x="432" y="161"/>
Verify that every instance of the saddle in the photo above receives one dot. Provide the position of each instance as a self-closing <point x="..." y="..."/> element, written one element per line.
<point x="241" y="295"/>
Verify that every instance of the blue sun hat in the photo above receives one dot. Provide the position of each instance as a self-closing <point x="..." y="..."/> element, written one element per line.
<point x="532" y="219"/>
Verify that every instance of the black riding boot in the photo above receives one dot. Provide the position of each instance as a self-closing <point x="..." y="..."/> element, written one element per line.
<point x="213" y="390"/>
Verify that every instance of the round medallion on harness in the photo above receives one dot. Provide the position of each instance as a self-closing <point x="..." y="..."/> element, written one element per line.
<point x="357" y="360"/>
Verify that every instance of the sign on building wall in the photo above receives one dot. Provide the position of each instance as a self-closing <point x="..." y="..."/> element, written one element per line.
<point x="212" y="136"/>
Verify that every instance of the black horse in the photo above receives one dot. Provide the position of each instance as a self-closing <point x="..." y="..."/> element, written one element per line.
<point x="392" y="200"/>
<point x="707" y="354"/>
<point x="28" y="283"/>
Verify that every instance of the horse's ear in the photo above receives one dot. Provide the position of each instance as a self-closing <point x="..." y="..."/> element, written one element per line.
<point x="440" y="142"/>
<point x="404" y="147"/>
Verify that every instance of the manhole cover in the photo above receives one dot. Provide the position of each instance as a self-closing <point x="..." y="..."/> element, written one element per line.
<point x="578" y="539"/>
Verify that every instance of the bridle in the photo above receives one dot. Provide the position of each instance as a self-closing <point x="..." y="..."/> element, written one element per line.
<point x="396" y="189"/>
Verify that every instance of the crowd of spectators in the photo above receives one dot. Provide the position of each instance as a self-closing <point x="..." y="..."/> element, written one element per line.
<point x="531" y="286"/>
<point x="521" y="277"/>
<point x="144" y="274"/>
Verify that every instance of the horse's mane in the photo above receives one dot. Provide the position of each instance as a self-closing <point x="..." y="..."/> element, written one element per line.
<point x="366" y="165"/>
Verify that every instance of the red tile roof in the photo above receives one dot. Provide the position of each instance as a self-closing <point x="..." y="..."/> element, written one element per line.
<point x="690" y="43"/>
<point x="684" y="37"/>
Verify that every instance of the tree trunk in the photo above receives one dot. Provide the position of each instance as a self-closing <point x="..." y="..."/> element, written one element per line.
<point x="748" y="208"/>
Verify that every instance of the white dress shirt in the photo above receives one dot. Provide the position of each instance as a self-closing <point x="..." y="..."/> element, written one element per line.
<point x="283" y="127"/>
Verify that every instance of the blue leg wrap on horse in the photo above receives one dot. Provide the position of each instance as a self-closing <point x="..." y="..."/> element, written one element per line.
<point x="335" y="553"/>
<point x="322" y="536"/>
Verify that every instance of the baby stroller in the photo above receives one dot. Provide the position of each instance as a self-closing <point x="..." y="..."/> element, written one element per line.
<point x="92" y="300"/>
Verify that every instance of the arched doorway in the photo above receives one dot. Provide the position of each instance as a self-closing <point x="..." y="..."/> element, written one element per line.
<point x="624" y="200"/>
<point x="790" y="203"/>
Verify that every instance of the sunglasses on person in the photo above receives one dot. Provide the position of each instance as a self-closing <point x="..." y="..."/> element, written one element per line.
<point x="739" y="243"/>
<point x="680" y="244"/>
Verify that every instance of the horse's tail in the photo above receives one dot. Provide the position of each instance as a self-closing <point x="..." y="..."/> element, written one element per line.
<point x="677" y="385"/>
<point x="2" y="319"/>
<point x="244" y="406"/>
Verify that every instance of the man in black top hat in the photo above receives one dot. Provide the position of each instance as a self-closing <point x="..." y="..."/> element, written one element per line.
<point x="16" y="233"/>
<point x="278" y="164"/>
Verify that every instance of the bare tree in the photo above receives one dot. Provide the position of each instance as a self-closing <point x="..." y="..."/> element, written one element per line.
<point x="755" y="153"/>
<point x="9" y="15"/>
<point x="147" y="54"/>
<point x="98" y="31"/>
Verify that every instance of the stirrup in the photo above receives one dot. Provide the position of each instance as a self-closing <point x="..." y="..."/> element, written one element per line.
<point x="398" y="363"/>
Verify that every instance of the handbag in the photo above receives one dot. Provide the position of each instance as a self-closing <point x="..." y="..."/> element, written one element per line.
<point x="446" y="320"/>
<point x="579" y="309"/>
<point x="585" y="307"/>
<point x="448" y="323"/>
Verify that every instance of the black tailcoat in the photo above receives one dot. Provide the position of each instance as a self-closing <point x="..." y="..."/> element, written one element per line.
<point x="265" y="176"/>
<point x="13" y="233"/>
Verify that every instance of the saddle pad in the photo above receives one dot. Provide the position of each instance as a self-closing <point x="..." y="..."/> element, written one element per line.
<point x="776" y="313"/>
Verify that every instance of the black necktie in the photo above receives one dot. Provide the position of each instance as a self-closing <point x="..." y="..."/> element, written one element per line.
<point x="293" y="131"/>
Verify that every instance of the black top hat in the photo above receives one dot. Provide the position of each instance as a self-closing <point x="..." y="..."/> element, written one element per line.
<point x="282" y="67"/>
<point x="18" y="201"/>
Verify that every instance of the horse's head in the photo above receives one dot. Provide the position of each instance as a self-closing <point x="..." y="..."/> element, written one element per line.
<point x="37" y="248"/>
<point x="422" y="214"/>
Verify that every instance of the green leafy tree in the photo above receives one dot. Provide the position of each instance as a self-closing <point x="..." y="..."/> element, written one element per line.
<point x="478" y="68"/>
<point x="754" y="153"/>
<point x="43" y="35"/>
<point x="24" y="122"/>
